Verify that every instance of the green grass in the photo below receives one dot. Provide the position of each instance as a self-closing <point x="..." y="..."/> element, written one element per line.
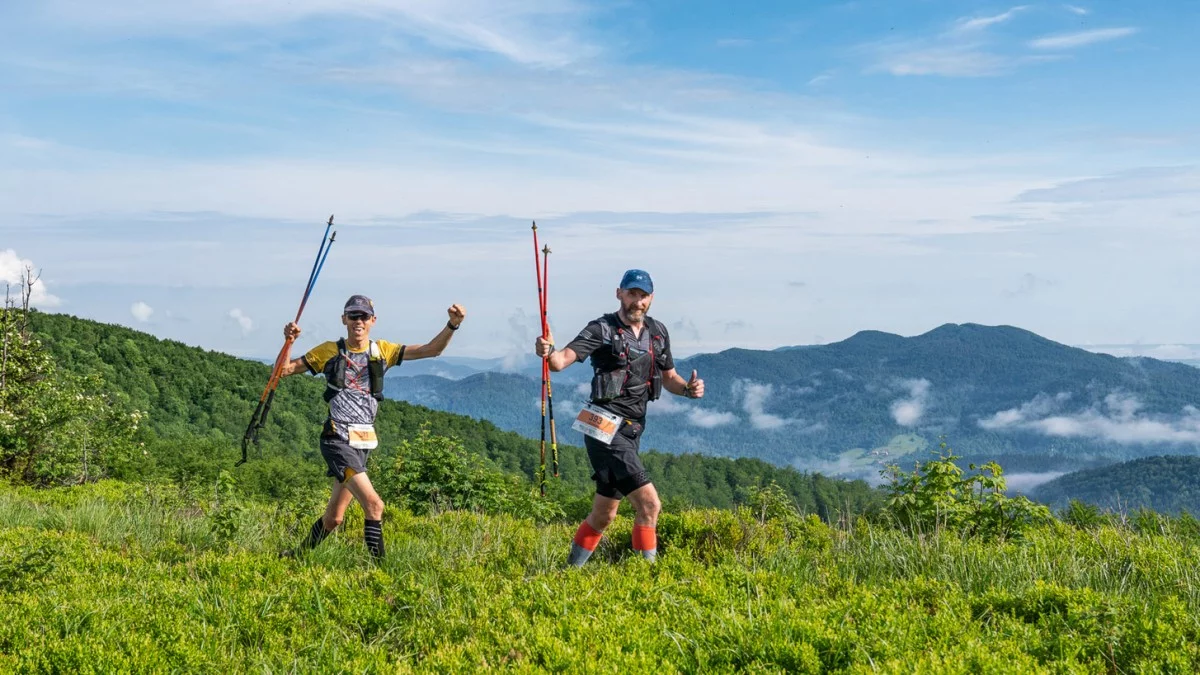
<point x="119" y="577"/>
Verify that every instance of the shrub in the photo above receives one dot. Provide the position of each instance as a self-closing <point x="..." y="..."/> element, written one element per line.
<point x="937" y="495"/>
<point x="430" y="474"/>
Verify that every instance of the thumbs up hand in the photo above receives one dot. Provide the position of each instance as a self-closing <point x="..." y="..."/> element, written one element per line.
<point x="695" y="387"/>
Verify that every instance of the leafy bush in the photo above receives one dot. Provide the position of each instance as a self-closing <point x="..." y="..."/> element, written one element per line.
<point x="1082" y="515"/>
<point x="431" y="473"/>
<point x="938" y="495"/>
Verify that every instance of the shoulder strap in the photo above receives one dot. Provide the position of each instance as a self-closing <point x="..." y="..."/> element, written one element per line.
<point x="655" y="327"/>
<point x="375" y="368"/>
<point x="608" y="326"/>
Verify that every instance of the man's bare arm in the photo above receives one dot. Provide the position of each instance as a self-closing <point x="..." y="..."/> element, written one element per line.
<point x="544" y="348"/>
<point x="439" y="342"/>
<point x="693" y="388"/>
<point x="293" y="367"/>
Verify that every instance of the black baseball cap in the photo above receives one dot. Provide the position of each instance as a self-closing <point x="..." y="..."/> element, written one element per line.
<point x="359" y="303"/>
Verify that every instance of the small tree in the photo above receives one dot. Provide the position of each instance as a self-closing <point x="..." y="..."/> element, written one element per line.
<point x="937" y="496"/>
<point x="53" y="429"/>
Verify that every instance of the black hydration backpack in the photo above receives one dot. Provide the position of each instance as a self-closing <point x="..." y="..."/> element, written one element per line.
<point x="613" y="376"/>
<point x="335" y="371"/>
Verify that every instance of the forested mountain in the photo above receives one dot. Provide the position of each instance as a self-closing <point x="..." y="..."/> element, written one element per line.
<point x="1169" y="484"/>
<point x="198" y="403"/>
<point x="994" y="392"/>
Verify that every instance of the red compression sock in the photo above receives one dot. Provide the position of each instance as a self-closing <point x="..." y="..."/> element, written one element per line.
<point x="587" y="536"/>
<point x="644" y="538"/>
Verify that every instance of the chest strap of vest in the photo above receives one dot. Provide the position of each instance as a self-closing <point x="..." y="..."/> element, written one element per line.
<point x="335" y="375"/>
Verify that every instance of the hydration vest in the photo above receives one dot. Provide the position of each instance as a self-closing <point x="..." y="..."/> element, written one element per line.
<point x="335" y="371"/>
<point x="614" y="370"/>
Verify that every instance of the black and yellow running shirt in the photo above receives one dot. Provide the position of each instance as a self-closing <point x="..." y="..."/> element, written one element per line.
<point x="354" y="403"/>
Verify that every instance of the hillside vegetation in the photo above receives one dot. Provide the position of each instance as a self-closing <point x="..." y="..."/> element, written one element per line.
<point x="116" y="577"/>
<point x="179" y="570"/>
<point x="1163" y="484"/>
<point x="197" y="404"/>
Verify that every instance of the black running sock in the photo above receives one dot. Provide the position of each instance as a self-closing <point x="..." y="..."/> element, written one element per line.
<point x="315" y="536"/>
<point x="373" y="535"/>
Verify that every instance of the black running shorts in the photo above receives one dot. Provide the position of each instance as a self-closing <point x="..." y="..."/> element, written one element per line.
<point x="342" y="460"/>
<point x="618" y="469"/>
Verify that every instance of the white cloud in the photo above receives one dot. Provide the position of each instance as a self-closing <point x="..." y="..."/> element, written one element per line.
<point x="1074" y="9"/>
<point x="979" y="23"/>
<point x="1041" y="405"/>
<point x="544" y="33"/>
<point x="908" y="411"/>
<point x="141" y="311"/>
<point x="667" y="405"/>
<point x="1026" y="481"/>
<point x="946" y="61"/>
<point x="964" y="50"/>
<point x="523" y="329"/>
<point x="1117" y="420"/>
<point x="242" y="320"/>
<point x="1149" y="182"/>
<point x="1081" y="38"/>
<point x="707" y="419"/>
<point x="13" y="269"/>
<point x="697" y="417"/>
<point x="754" y="401"/>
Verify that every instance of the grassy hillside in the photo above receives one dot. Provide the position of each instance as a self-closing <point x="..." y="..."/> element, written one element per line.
<point x="118" y="577"/>
<point x="198" y="403"/>
<point x="1163" y="484"/>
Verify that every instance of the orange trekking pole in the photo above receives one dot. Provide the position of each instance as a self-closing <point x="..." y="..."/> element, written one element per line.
<point x="259" y="418"/>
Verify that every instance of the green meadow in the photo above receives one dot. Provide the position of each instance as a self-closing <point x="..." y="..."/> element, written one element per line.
<point x="120" y="577"/>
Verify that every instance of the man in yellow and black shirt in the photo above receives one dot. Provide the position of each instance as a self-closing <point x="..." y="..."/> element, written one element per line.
<point x="353" y="368"/>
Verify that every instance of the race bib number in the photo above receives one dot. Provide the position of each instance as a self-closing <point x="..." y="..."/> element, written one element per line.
<point x="362" y="436"/>
<point x="597" y="423"/>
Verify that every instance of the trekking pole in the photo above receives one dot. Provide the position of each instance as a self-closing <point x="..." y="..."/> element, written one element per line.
<point x="537" y="268"/>
<point x="546" y="366"/>
<point x="259" y="418"/>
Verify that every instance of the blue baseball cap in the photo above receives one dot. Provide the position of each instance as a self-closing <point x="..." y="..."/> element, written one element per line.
<point x="637" y="279"/>
<point x="359" y="303"/>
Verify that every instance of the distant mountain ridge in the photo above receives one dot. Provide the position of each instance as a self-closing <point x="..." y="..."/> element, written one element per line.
<point x="1165" y="484"/>
<point x="854" y="405"/>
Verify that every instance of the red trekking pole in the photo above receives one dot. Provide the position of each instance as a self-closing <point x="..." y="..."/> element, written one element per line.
<point x="546" y="362"/>
<point x="537" y="268"/>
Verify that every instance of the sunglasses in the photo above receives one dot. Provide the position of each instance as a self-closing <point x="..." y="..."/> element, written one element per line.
<point x="358" y="316"/>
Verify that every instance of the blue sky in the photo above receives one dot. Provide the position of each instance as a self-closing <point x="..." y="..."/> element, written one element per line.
<point x="790" y="173"/>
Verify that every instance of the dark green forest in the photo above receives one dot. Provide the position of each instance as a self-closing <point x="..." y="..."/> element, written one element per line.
<point x="1169" y="484"/>
<point x="197" y="404"/>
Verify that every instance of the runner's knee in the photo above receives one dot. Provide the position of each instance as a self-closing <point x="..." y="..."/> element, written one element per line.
<point x="601" y="519"/>
<point x="373" y="508"/>
<point x="649" y="508"/>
